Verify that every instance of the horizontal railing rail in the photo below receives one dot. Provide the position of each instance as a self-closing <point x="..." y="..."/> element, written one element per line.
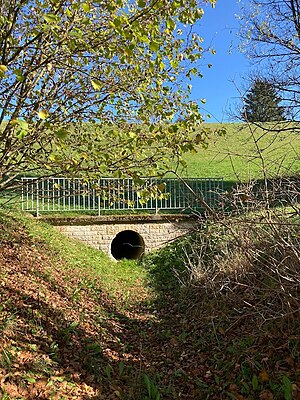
<point x="60" y="194"/>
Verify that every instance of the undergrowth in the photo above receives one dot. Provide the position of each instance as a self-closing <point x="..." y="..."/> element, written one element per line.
<point x="237" y="293"/>
<point x="212" y="316"/>
<point x="65" y="313"/>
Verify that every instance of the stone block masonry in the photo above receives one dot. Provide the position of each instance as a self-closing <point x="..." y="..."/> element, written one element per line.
<point x="152" y="231"/>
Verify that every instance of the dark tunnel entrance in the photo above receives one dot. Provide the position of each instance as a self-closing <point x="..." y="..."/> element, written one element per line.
<point x="127" y="244"/>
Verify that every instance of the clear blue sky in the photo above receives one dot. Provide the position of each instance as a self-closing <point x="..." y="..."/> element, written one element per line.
<point x="219" y="27"/>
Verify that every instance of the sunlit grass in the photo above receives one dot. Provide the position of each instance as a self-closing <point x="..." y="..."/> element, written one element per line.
<point x="122" y="279"/>
<point x="235" y="156"/>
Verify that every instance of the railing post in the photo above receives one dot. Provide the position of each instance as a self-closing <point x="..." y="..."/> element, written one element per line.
<point x="156" y="200"/>
<point x="22" y="194"/>
<point x="99" y="207"/>
<point x="37" y="198"/>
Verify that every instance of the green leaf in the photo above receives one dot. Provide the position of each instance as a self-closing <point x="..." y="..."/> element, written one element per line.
<point x="161" y="65"/>
<point x="61" y="133"/>
<point x="132" y="134"/>
<point x="154" y="46"/>
<point x="23" y="124"/>
<point x="287" y="388"/>
<point x="198" y="138"/>
<point x="23" y="127"/>
<point x="50" y="18"/>
<point x="199" y="13"/>
<point x="143" y="38"/>
<point x="193" y="71"/>
<point x="174" y="64"/>
<point x="29" y="379"/>
<point x="52" y="157"/>
<point x="170" y="24"/>
<point x="21" y="134"/>
<point x="172" y="128"/>
<point x="141" y="3"/>
<point x="117" y="23"/>
<point x="255" y="382"/>
<point x="19" y="75"/>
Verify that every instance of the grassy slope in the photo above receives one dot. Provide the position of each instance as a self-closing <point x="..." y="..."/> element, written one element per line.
<point x="76" y="326"/>
<point x="281" y="152"/>
<point x="63" y="306"/>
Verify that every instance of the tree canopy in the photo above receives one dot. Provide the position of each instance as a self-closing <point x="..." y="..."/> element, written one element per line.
<point x="261" y="103"/>
<point x="271" y="33"/>
<point x="97" y="86"/>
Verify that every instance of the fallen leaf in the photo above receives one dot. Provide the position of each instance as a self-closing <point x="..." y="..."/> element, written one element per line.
<point x="264" y="376"/>
<point x="266" y="395"/>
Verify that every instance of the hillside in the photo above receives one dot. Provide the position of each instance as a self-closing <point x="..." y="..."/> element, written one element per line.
<point x="75" y="325"/>
<point x="62" y="333"/>
<point x="235" y="155"/>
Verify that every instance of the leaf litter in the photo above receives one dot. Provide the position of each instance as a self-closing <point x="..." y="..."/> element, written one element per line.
<point x="60" y="343"/>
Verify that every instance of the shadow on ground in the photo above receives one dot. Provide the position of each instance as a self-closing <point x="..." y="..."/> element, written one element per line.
<point x="61" y="339"/>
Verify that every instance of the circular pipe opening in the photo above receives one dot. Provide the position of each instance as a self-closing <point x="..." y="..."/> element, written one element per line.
<point x="127" y="244"/>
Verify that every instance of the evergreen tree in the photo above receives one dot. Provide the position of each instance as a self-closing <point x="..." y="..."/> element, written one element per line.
<point x="261" y="103"/>
<point x="271" y="38"/>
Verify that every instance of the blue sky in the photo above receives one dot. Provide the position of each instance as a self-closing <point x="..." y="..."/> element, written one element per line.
<point x="219" y="27"/>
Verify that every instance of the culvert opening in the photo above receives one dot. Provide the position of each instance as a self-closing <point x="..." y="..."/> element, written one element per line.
<point x="127" y="244"/>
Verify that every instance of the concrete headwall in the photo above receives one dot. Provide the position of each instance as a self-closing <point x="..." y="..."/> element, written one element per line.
<point x="99" y="232"/>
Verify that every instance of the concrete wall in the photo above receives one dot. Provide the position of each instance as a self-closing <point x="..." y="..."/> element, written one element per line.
<point x="99" y="232"/>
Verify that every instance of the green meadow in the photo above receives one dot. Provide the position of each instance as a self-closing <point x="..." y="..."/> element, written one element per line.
<point x="244" y="152"/>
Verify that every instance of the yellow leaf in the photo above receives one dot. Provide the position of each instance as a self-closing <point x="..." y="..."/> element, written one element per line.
<point x="86" y="7"/>
<point x="85" y="156"/>
<point x="161" y="187"/>
<point x="96" y="84"/>
<point x="132" y="135"/>
<point x="264" y="376"/>
<point x="3" y="68"/>
<point x="14" y="122"/>
<point x="43" y="114"/>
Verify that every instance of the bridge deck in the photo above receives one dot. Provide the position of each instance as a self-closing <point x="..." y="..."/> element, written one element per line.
<point x="120" y="219"/>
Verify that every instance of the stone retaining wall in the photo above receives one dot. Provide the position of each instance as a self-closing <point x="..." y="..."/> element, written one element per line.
<point x="99" y="232"/>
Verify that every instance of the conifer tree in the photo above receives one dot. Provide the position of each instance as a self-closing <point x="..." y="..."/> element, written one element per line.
<point x="261" y="103"/>
<point x="271" y="39"/>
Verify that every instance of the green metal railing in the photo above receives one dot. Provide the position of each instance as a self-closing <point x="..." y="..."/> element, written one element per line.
<point x="65" y="194"/>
